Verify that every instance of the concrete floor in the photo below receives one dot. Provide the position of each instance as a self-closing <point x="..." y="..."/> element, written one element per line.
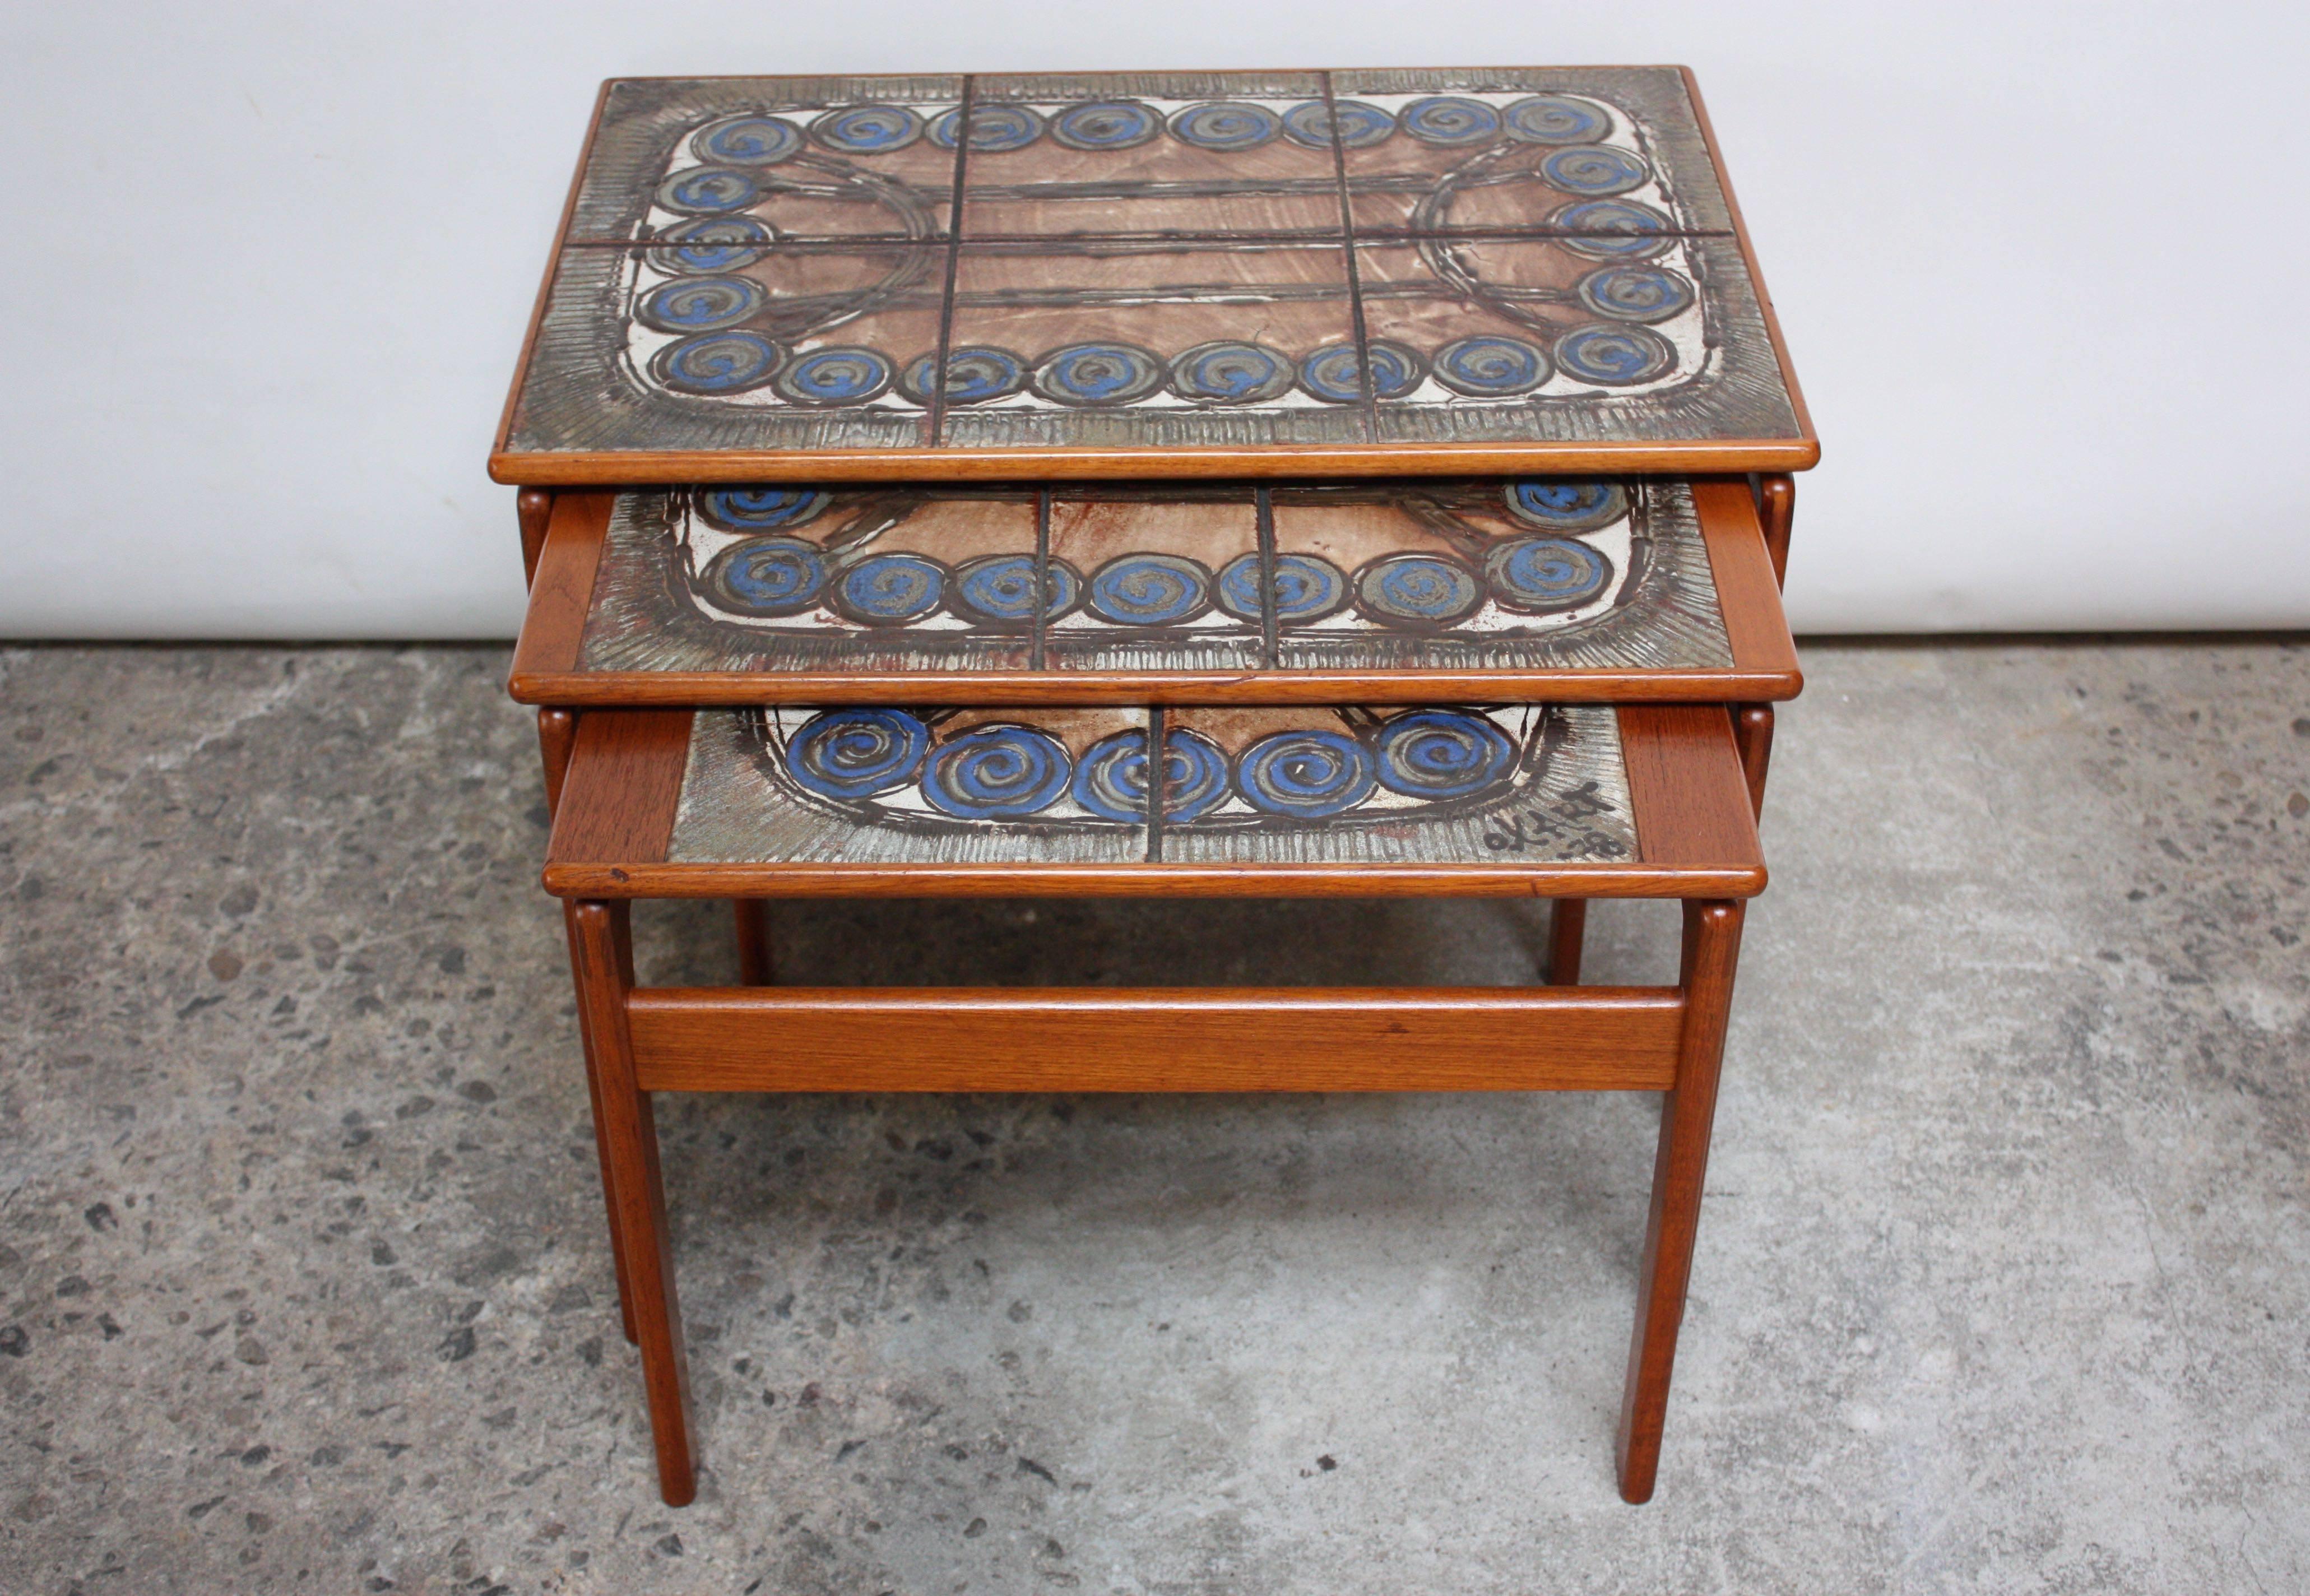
<point x="2002" y="1284"/>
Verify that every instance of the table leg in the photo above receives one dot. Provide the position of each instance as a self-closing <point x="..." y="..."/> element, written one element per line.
<point x="535" y="507"/>
<point x="1712" y="947"/>
<point x="756" y="965"/>
<point x="1752" y="736"/>
<point x="1777" y="499"/>
<point x="1567" y="927"/>
<point x="601" y="952"/>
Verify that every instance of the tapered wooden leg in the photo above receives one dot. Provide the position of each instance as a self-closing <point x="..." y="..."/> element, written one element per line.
<point x="557" y="733"/>
<point x="1712" y="947"/>
<point x="601" y="951"/>
<point x="1776" y="502"/>
<point x="1752" y="736"/>
<point x="755" y="964"/>
<point x="535" y="507"/>
<point x="1567" y="926"/>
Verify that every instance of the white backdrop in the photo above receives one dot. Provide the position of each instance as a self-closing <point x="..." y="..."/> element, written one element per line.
<point x="2042" y="270"/>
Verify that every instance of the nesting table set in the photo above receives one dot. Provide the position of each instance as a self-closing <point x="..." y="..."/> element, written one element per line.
<point x="1218" y="484"/>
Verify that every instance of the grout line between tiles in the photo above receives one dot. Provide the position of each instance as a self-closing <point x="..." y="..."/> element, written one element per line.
<point x="1156" y="730"/>
<point x="935" y="423"/>
<point x="1263" y="508"/>
<point x="1042" y="578"/>
<point x="1355" y="294"/>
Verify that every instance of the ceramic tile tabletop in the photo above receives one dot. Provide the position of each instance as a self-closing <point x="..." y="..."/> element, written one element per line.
<point x="1444" y="785"/>
<point x="1435" y="573"/>
<point x="1264" y="264"/>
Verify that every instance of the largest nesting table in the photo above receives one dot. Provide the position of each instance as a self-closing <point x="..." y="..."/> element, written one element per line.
<point x="1195" y="484"/>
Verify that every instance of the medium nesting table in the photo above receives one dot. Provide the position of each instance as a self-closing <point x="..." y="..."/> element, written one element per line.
<point x="1282" y="484"/>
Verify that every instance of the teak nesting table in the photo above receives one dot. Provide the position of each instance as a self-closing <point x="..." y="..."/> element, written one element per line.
<point x="1196" y="483"/>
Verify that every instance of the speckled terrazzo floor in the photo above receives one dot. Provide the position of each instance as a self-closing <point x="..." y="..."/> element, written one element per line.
<point x="2002" y="1285"/>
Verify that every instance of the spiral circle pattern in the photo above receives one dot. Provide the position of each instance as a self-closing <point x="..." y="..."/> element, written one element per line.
<point x="974" y="374"/>
<point x="838" y="374"/>
<point x="1359" y="126"/>
<point x="1150" y="590"/>
<point x="1491" y="366"/>
<point x="711" y="244"/>
<point x="1615" y="356"/>
<point x="1596" y="169"/>
<point x="889" y="589"/>
<point x="1231" y="373"/>
<point x="1562" y="506"/>
<point x="1612" y="230"/>
<point x="1305" y="775"/>
<point x="1194" y="775"/>
<point x="1540" y="574"/>
<point x="1449" y="120"/>
<point x="1000" y="590"/>
<point x="1111" y="778"/>
<point x="1637" y="294"/>
<point x="1098" y="374"/>
<point x="1418" y="590"/>
<point x="700" y="304"/>
<point x="1441" y="753"/>
<point x="994" y="129"/>
<point x="867" y="129"/>
<point x="769" y="576"/>
<point x="856" y="754"/>
<point x="1555" y="119"/>
<point x="1334" y="373"/>
<point x="1105" y="124"/>
<point x="1308" y="588"/>
<point x="746" y="140"/>
<point x="708" y="191"/>
<point x="725" y="362"/>
<point x="997" y="773"/>
<point x="1227" y="125"/>
<point x="758" y="509"/>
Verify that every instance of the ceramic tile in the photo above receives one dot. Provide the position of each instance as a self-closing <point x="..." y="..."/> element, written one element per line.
<point x="795" y="784"/>
<point x="1208" y="153"/>
<point x="1434" y="785"/>
<point x="1522" y="149"/>
<point x="1439" y="574"/>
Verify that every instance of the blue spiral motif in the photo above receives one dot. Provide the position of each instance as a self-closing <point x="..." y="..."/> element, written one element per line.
<point x="1231" y="373"/>
<point x="1305" y="775"/>
<point x="1563" y="507"/>
<point x="769" y="576"/>
<point x="1000" y="590"/>
<point x="1334" y="373"/>
<point x="1615" y="356"/>
<point x="1491" y="366"/>
<point x="1442" y="753"/>
<point x="974" y="374"/>
<point x="867" y="129"/>
<point x="838" y="374"/>
<point x="1612" y="230"/>
<point x="994" y="129"/>
<point x="1105" y="124"/>
<point x="997" y="773"/>
<point x="889" y="589"/>
<point x="709" y="191"/>
<point x="711" y="244"/>
<point x="1418" y="590"/>
<point x="747" y="140"/>
<point x="1637" y="294"/>
<point x="1110" y="779"/>
<point x="1194" y="775"/>
<point x="856" y="754"/>
<point x="701" y="304"/>
<point x="1597" y="169"/>
<point x="1555" y="119"/>
<point x="1226" y="124"/>
<point x="724" y="362"/>
<point x="1098" y="374"/>
<point x="758" y="509"/>
<point x="1537" y="575"/>
<point x="1150" y="590"/>
<point x="1359" y="126"/>
<point x="1449" y="120"/>
<point x="1308" y="588"/>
